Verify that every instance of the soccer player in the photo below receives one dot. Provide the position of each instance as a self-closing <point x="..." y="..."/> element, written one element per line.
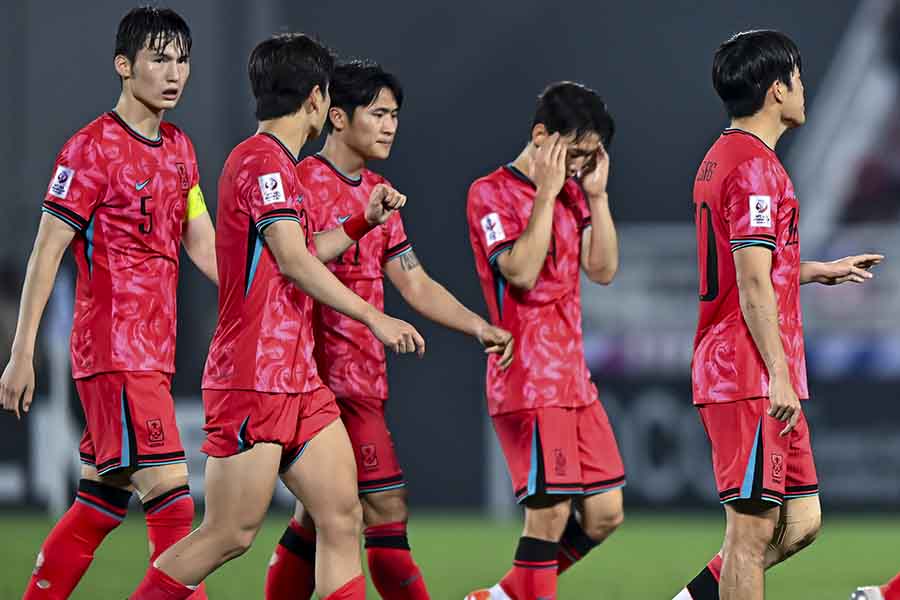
<point x="889" y="591"/>
<point x="363" y="120"/>
<point x="267" y="412"/>
<point x="748" y="368"/>
<point x="534" y="224"/>
<point x="125" y="195"/>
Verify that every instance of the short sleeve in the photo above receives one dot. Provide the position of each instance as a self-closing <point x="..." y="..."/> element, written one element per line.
<point x="267" y="190"/>
<point x="750" y="194"/>
<point x="79" y="182"/>
<point x="493" y="218"/>
<point x="396" y="242"/>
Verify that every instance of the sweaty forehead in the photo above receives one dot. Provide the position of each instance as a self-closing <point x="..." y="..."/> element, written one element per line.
<point x="165" y="44"/>
<point x="588" y="143"/>
<point x="384" y="99"/>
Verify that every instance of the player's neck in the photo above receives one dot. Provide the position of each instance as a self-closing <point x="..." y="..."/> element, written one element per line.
<point x="140" y="117"/>
<point x="291" y="130"/>
<point x="766" y="127"/>
<point x="524" y="162"/>
<point x="345" y="159"/>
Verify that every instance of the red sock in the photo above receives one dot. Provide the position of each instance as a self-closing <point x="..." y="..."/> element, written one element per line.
<point x="169" y="518"/>
<point x="69" y="549"/>
<point x="891" y="591"/>
<point x="292" y="569"/>
<point x="705" y="586"/>
<point x="533" y="575"/>
<point x="391" y="566"/>
<point x="573" y="546"/>
<point x="355" y="589"/>
<point x="159" y="586"/>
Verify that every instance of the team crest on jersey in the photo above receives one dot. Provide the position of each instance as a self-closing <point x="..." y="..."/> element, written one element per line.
<point x="493" y="229"/>
<point x="183" y="176"/>
<point x="155" y="433"/>
<point x="559" y="462"/>
<point x="59" y="187"/>
<point x="271" y="188"/>
<point x="760" y="211"/>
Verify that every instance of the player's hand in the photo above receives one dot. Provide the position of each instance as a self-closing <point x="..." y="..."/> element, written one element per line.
<point x="399" y="336"/>
<point x="783" y="402"/>
<point x="17" y="385"/>
<point x="384" y="201"/>
<point x="497" y="341"/>
<point x="595" y="174"/>
<point x="852" y="268"/>
<point x="549" y="166"/>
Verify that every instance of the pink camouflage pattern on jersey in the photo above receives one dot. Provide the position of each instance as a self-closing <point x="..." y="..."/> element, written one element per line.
<point x="126" y="198"/>
<point x="549" y="369"/>
<point x="351" y="360"/>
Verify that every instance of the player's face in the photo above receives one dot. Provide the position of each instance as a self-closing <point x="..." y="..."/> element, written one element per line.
<point x="580" y="154"/>
<point x="373" y="128"/>
<point x="794" y="109"/>
<point x="158" y="76"/>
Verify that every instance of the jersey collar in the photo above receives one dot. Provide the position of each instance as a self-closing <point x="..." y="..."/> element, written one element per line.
<point x="354" y="181"/>
<point x="143" y="139"/>
<point x="515" y="172"/>
<point x="294" y="159"/>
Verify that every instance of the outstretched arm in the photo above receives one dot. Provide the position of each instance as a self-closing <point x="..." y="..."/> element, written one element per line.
<point x="17" y="382"/>
<point x="852" y="268"/>
<point x="432" y="300"/>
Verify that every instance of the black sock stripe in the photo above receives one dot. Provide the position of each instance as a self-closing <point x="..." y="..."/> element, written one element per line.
<point x="533" y="550"/>
<point x="575" y="537"/>
<point x="704" y="586"/>
<point x="109" y="494"/>
<point x="163" y="498"/>
<point x="298" y="546"/>
<point x="398" y="542"/>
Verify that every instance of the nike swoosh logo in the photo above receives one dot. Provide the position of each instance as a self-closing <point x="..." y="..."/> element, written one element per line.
<point x="342" y="219"/>
<point x="143" y="184"/>
<point x="411" y="580"/>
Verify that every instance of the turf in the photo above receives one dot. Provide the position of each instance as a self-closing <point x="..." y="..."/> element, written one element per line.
<point x="650" y="557"/>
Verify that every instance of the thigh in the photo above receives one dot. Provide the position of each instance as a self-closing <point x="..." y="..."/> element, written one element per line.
<point x="601" y="508"/>
<point x="130" y="421"/>
<point x="377" y="464"/>
<point x="325" y="477"/>
<point x="239" y="488"/>
<point x="601" y="463"/>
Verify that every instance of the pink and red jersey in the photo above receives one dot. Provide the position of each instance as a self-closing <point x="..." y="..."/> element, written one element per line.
<point x="743" y="197"/>
<point x="350" y="358"/>
<point x="264" y="337"/>
<point x="126" y="198"/>
<point x="549" y="369"/>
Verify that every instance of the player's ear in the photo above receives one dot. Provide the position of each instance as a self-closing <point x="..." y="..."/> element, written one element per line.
<point x="338" y="118"/>
<point x="778" y="90"/>
<point x="122" y="66"/>
<point x="317" y="99"/>
<point x="539" y="133"/>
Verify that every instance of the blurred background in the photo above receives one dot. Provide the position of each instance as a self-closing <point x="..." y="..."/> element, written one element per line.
<point x="471" y="73"/>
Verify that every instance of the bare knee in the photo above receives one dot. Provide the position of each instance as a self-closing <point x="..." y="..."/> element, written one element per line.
<point x="747" y="537"/>
<point x="793" y="536"/>
<point x="382" y="508"/>
<point x="342" y="518"/>
<point x="600" y="526"/>
<point x="546" y="517"/>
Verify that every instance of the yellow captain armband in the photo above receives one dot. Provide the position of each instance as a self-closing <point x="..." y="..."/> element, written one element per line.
<point x="195" y="204"/>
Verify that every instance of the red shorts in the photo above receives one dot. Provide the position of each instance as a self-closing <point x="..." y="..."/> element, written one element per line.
<point x="238" y="419"/>
<point x="130" y="421"/>
<point x="751" y="460"/>
<point x="377" y="465"/>
<point x="555" y="450"/>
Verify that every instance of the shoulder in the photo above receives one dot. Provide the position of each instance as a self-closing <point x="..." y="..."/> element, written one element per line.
<point x="487" y="187"/>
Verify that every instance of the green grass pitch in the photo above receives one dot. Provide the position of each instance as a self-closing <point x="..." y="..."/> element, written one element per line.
<point x="650" y="557"/>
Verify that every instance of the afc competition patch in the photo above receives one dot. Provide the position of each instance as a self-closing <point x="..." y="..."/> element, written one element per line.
<point x="61" y="182"/>
<point x="760" y="211"/>
<point x="493" y="229"/>
<point x="271" y="188"/>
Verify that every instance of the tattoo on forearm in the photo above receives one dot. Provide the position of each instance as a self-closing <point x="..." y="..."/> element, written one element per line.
<point x="409" y="261"/>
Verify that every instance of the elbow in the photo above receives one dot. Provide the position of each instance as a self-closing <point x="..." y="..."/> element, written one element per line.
<point x="604" y="275"/>
<point x="522" y="281"/>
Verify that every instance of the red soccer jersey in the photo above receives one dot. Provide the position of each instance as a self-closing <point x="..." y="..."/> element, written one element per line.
<point x="743" y="197"/>
<point x="126" y="197"/>
<point x="549" y="369"/>
<point x="350" y="358"/>
<point x="264" y="338"/>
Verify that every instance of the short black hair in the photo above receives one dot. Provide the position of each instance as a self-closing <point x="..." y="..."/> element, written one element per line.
<point x="567" y="107"/>
<point x="358" y="82"/>
<point x="283" y="71"/>
<point x="746" y="65"/>
<point x="154" y="28"/>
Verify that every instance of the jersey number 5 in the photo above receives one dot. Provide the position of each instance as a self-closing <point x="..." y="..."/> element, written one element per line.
<point x="147" y="226"/>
